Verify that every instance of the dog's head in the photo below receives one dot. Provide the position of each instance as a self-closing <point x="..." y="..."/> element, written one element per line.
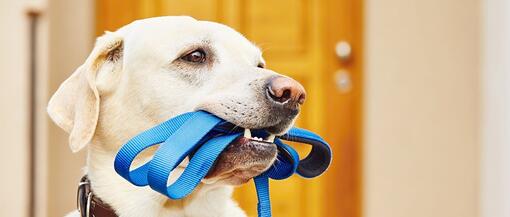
<point x="154" y="69"/>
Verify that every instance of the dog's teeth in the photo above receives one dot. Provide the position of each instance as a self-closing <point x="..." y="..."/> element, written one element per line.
<point x="270" y="138"/>
<point x="257" y="138"/>
<point x="247" y="133"/>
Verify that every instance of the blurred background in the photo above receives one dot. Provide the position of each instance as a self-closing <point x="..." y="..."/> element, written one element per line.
<point x="413" y="95"/>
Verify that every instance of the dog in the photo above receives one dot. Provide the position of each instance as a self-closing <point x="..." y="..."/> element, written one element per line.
<point x="154" y="69"/>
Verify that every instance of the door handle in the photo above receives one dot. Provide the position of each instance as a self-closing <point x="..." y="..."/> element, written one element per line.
<point x="343" y="50"/>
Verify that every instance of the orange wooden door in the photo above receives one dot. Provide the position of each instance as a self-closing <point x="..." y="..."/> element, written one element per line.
<point x="298" y="38"/>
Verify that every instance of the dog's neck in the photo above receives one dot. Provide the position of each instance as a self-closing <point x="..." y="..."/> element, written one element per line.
<point x="130" y="201"/>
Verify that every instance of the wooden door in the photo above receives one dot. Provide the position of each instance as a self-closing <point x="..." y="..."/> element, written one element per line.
<point x="298" y="38"/>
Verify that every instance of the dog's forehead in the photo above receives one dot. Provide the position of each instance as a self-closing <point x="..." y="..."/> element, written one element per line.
<point x="173" y="33"/>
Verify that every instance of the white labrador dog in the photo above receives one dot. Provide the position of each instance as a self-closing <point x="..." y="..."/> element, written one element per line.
<point x="154" y="69"/>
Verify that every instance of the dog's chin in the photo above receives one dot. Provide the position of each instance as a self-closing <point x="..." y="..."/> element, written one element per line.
<point x="242" y="160"/>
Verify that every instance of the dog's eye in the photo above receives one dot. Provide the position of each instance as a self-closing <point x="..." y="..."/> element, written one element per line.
<point x="196" y="56"/>
<point x="260" y="65"/>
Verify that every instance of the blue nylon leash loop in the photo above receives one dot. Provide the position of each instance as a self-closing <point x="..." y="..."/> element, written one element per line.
<point x="286" y="163"/>
<point x="137" y="144"/>
<point x="319" y="158"/>
<point x="207" y="136"/>
<point x="177" y="147"/>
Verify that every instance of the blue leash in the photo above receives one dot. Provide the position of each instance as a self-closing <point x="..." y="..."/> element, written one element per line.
<point x="206" y="136"/>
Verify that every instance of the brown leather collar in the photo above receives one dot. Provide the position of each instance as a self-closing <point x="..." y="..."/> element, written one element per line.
<point x="90" y="205"/>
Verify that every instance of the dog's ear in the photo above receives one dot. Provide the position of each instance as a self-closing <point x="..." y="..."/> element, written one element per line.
<point x="75" y="105"/>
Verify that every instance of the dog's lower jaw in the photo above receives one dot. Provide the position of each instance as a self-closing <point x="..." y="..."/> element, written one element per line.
<point x="132" y="201"/>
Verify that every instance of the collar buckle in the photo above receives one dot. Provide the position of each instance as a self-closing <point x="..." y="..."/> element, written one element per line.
<point x="84" y="197"/>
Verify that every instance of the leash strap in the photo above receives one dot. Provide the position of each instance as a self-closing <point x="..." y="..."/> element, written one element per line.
<point x="264" y="204"/>
<point x="206" y="136"/>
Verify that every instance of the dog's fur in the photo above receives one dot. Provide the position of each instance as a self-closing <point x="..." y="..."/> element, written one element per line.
<point x="134" y="79"/>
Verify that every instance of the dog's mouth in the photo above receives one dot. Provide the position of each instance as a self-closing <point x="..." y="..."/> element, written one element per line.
<point x="246" y="157"/>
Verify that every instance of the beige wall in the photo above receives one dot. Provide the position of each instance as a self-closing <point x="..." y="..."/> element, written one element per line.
<point x="495" y="169"/>
<point x="71" y="39"/>
<point x="65" y="37"/>
<point x="14" y="108"/>
<point x="421" y="108"/>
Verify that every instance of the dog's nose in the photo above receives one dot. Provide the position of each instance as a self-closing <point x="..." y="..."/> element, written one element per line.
<point x="286" y="90"/>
